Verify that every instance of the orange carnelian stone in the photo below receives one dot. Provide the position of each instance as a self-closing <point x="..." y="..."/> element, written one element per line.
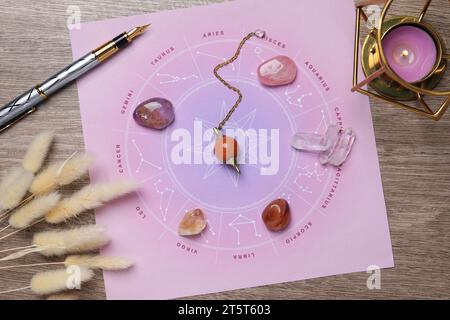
<point x="226" y="149"/>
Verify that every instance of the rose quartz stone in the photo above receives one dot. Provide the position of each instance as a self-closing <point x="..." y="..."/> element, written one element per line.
<point x="278" y="71"/>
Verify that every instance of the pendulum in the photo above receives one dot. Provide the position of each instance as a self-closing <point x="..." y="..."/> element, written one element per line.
<point x="226" y="149"/>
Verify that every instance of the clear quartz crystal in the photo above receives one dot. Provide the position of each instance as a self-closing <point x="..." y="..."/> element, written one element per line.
<point x="310" y="142"/>
<point x="332" y="134"/>
<point x="337" y="155"/>
<point x="333" y="147"/>
<point x="343" y="148"/>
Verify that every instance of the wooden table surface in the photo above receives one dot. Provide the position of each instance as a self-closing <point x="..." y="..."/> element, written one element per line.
<point x="414" y="155"/>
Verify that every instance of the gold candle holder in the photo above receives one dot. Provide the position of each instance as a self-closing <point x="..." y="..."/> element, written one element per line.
<point x="386" y="84"/>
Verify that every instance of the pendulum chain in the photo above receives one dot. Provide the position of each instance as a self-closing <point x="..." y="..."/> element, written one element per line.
<point x="259" y="34"/>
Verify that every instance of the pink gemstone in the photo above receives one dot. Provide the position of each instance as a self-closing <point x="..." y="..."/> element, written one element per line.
<point x="155" y="113"/>
<point x="278" y="71"/>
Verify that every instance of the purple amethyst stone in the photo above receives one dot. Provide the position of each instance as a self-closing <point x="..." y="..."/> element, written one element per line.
<point x="155" y="113"/>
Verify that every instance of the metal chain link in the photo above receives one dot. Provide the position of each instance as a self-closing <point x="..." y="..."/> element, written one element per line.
<point x="229" y="86"/>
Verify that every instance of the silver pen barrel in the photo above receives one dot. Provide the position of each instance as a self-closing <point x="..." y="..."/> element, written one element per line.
<point x="19" y="108"/>
<point x="26" y="103"/>
<point x="67" y="75"/>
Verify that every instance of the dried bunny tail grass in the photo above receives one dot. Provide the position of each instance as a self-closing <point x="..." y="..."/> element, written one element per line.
<point x="83" y="239"/>
<point x="63" y="296"/>
<point x="19" y="254"/>
<point x="87" y="261"/>
<point x="50" y="282"/>
<point x="90" y="197"/>
<point x="57" y="243"/>
<point x="16" y="184"/>
<point x="61" y="173"/>
<point x="37" y="152"/>
<point x="98" y="262"/>
<point x="34" y="210"/>
<point x="13" y="188"/>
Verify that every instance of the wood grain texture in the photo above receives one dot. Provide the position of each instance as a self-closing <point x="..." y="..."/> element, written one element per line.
<point x="414" y="155"/>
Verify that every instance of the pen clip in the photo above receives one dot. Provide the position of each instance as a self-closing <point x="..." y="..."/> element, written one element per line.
<point x="33" y="109"/>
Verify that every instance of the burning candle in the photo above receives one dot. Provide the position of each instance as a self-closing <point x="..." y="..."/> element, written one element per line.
<point x="411" y="52"/>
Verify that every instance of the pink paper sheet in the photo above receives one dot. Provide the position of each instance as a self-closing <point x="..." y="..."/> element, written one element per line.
<point x="339" y="222"/>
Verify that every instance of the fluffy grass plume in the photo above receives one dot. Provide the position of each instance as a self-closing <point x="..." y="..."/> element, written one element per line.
<point x="82" y="239"/>
<point x="36" y="209"/>
<point x="15" y="185"/>
<point x="13" y="188"/>
<point x="61" y="173"/>
<point x="90" y="197"/>
<point x="37" y="152"/>
<point x="98" y="262"/>
<point x="50" y="282"/>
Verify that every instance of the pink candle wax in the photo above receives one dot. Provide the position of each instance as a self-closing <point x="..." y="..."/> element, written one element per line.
<point x="410" y="52"/>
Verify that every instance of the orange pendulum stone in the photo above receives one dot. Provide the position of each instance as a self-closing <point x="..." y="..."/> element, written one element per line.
<point x="226" y="150"/>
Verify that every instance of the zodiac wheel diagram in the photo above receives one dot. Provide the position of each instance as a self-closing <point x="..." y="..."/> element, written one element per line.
<point x="175" y="166"/>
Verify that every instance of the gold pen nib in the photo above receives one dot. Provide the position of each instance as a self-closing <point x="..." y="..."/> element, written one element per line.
<point x="135" y="32"/>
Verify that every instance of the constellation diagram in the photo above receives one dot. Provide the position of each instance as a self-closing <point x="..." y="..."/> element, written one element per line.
<point x="295" y="101"/>
<point x="208" y="229"/>
<point x="165" y="198"/>
<point x="242" y="220"/>
<point x="286" y="196"/>
<point x="309" y="173"/>
<point x="200" y="53"/>
<point x="314" y="173"/>
<point x="321" y="127"/>
<point x="173" y="78"/>
<point x="304" y="189"/>
<point x="258" y="51"/>
<point x="142" y="160"/>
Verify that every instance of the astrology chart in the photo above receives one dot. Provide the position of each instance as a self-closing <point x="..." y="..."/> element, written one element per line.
<point x="336" y="213"/>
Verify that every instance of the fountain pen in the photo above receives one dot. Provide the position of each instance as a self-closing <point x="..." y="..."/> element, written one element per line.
<point x="27" y="103"/>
